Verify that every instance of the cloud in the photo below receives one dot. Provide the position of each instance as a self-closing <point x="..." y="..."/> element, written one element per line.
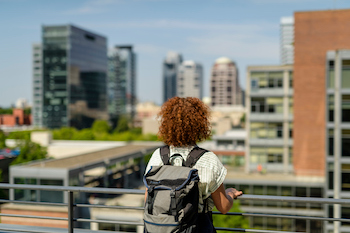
<point x="178" y="24"/>
<point x="92" y="7"/>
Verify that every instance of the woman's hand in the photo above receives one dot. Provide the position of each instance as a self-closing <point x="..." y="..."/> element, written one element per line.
<point x="233" y="193"/>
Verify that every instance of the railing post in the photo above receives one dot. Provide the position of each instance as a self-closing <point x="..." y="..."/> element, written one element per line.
<point x="70" y="212"/>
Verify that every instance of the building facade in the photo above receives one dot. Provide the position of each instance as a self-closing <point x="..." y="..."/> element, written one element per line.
<point x="74" y="77"/>
<point x="122" y="82"/>
<point x="338" y="135"/>
<point x="269" y="118"/>
<point x="311" y="47"/>
<point x="170" y="74"/>
<point x="287" y="40"/>
<point x="224" y="83"/>
<point x="37" y="108"/>
<point x="190" y="80"/>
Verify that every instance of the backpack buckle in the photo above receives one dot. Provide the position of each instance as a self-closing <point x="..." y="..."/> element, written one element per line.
<point x="173" y="202"/>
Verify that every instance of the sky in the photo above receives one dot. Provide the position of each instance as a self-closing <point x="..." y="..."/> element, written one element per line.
<point x="246" y="31"/>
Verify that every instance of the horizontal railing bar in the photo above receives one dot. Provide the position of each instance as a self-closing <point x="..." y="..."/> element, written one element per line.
<point x="285" y="216"/>
<point x="19" y="230"/>
<point x="251" y="230"/>
<point x="33" y="216"/>
<point x="32" y="202"/>
<point x="73" y="189"/>
<point x="141" y="192"/>
<point x="110" y="206"/>
<point x="109" y="221"/>
<point x="317" y="200"/>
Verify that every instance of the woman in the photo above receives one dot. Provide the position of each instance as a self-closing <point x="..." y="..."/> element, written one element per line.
<point x="184" y="122"/>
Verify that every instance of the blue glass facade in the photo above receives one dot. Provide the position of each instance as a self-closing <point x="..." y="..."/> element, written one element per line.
<point x="74" y="77"/>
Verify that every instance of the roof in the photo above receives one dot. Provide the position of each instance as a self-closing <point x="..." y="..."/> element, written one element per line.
<point x="93" y="159"/>
<point x="223" y="60"/>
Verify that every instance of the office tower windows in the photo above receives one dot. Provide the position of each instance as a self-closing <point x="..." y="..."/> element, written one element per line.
<point x="225" y="89"/>
<point x="37" y="85"/>
<point x="170" y="74"/>
<point x="74" y="77"/>
<point x="287" y="40"/>
<point x="269" y="119"/>
<point x="190" y="80"/>
<point x="122" y="82"/>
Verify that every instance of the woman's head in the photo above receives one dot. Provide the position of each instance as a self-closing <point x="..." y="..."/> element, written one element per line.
<point x="184" y="121"/>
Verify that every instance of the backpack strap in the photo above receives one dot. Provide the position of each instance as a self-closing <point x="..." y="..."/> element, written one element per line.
<point x="165" y="154"/>
<point x="194" y="155"/>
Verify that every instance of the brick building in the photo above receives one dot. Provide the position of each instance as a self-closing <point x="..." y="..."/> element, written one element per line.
<point x="316" y="33"/>
<point x="18" y="117"/>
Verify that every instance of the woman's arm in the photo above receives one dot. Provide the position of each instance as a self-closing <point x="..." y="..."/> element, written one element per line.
<point x="223" y="199"/>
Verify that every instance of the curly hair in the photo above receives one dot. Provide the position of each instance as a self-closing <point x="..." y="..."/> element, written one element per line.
<point x="184" y="121"/>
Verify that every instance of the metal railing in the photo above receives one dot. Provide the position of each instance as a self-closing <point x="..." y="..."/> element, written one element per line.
<point x="71" y="206"/>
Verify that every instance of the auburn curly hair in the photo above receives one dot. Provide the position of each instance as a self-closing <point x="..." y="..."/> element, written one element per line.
<point x="184" y="121"/>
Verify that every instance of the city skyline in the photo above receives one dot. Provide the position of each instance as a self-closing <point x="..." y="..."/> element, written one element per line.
<point x="247" y="32"/>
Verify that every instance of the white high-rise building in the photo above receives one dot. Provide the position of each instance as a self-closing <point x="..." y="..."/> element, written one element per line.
<point x="287" y="40"/>
<point x="190" y="80"/>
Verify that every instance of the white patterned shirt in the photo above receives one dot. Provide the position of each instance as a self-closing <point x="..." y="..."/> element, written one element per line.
<point x="210" y="170"/>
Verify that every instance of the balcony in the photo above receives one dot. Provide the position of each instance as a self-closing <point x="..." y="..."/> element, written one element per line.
<point x="72" y="219"/>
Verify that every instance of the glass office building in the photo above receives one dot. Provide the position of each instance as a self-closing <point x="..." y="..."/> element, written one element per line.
<point x="122" y="82"/>
<point x="74" y="69"/>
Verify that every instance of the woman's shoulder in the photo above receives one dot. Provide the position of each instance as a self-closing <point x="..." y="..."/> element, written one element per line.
<point x="209" y="159"/>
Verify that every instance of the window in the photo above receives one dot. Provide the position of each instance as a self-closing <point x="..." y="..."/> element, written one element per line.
<point x="213" y="89"/>
<point x="330" y="142"/>
<point x="330" y="81"/>
<point x="331" y="108"/>
<point x="345" y="108"/>
<point x="345" y="143"/>
<point x="254" y="84"/>
<point x="345" y="74"/>
<point x="229" y="89"/>
<point x="330" y="175"/>
<point x="345" y="176"/>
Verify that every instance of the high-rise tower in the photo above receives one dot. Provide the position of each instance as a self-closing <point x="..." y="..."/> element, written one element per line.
<point x="190" y="80"/>
<point x="287" y="40"/>
<point x="122" y="82"/>
<point x="74" y="69"/>
<point x="170" y="73"/>
<point x="225" y="89"/>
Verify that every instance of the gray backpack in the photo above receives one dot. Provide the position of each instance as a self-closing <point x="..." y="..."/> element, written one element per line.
<point x="173" y="196"/>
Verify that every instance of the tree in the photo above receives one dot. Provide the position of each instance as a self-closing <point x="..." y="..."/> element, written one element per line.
<point x="2" y="139"/>
<point x="123" y="125"/>
<point x="100" y="126"/>
<point x="30" y="151"/>
<point x="65" y="133"/>
<point x="231" y="221"/>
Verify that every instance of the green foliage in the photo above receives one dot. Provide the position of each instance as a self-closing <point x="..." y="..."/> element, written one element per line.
<point x="27" y="111"/>
<point x="2" y="139"/>
<point x="231" y="221"/>
<point x="100" y="126"/>
<point x="123" y="125"/>
<point x="89" y="134"/>
<point x="20" y="135"/>
<point x="242" y="120"/>
<point x="65" y="133"/>
<point x="84" y="134"/>
<point x="30" y="151"/>
<point x="6" y="111"/>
